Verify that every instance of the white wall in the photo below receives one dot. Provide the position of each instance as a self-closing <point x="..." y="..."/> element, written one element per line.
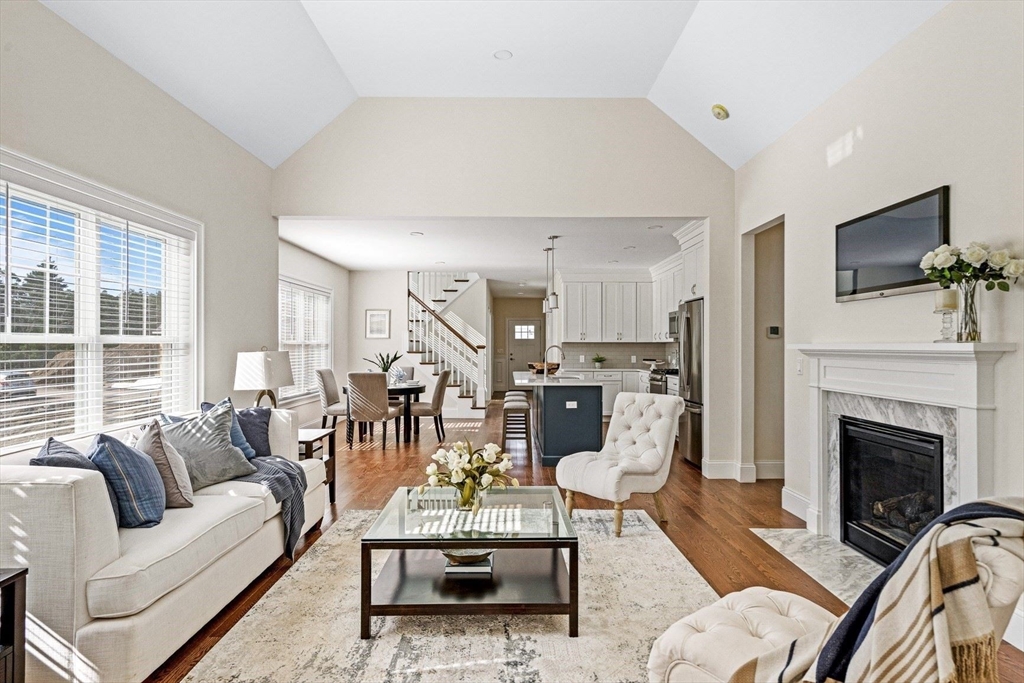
<point x="769" y="354"/>
<point x="942" y="107"/>
<point x="66" y="101"/>
<point x="303" y="266"/>
<point x="396" y="157"/>
<point x="378" y="289"/>
<point x="471" y="306"/>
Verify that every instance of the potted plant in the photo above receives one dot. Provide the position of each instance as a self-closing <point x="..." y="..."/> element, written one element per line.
<point x="965" y="268"/>
<point x="598" y="361"/>
<point x="470" y="471"/>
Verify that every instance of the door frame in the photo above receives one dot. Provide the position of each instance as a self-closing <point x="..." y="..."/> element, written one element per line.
<point x="510" y="337"/>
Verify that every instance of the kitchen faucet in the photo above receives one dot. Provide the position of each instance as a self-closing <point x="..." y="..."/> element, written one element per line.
<point x="560" y="352"/>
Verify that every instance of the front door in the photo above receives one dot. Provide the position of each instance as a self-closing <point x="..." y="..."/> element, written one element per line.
<point x="524" y="338"/>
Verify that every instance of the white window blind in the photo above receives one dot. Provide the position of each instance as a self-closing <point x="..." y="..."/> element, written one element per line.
<point x="304" y="327"/>
<point x="96" y="319"/>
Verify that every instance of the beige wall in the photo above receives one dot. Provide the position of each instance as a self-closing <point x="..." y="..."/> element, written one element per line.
<point x="303" y="266"/>
<point x="942" y="107"/>
<point x="392" y="157"/>
<point x="769" y="354"/>
<point x="504" y="308"/>
<point x="471" y="306"/>
<point x="66" y="101"/>
<point x="378" y="289"/>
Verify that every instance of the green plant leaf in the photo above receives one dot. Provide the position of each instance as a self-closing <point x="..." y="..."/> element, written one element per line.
<point x="989" y="286"/>
<point x="1003" y="285"/>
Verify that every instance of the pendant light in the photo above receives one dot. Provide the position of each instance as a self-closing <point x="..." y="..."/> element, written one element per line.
<point x="547" y="269"/>
<point x="553" y="297"/>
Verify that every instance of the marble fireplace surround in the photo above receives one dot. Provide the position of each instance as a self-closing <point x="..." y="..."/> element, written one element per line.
<point x="944" y="389"/>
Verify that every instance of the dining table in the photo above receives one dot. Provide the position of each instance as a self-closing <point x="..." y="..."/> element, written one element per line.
<point x="406" y="390"/>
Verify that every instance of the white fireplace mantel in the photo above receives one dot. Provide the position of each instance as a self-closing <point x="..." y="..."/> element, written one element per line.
<point x="958" y="376"/>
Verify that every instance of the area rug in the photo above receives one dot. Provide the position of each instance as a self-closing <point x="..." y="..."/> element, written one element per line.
<point x="837" y="567"/>
<point x="306" y="628"/>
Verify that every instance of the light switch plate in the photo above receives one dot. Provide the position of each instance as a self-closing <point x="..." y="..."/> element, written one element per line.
<point x="583" y="359"/>
<point x="570" y="405"/>
<point x="632" y="359"/>
<point x="799" y="366"/>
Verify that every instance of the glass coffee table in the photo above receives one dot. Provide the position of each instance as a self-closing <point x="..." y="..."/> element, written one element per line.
<point x="528" y="527"/>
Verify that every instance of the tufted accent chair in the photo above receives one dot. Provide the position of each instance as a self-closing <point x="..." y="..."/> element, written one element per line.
<point x="636" y="456"/>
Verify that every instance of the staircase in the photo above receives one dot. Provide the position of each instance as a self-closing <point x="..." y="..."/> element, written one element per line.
<point x="442" y="339"/>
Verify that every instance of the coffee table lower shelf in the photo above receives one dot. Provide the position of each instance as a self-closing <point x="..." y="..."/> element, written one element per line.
<point x="524" y="581"/>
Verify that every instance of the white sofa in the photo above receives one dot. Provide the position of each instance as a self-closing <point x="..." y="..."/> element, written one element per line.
<point x="110" y="604"/>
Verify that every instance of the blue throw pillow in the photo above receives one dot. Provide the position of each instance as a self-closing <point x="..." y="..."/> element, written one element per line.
<point x="135" y="478"/>
<point x="57" y="454"/>
<point x="238" y="439"/>
<point x="255" y="424"/>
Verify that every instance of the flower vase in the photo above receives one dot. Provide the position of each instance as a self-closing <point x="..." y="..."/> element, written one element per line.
<point x="469" y="498"/>
<point x="970" y="329"/>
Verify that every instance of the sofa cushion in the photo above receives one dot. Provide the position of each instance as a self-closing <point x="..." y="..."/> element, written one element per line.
<point x="238" y="439"/>
<point x="155" y="561"/>
<point x="141" y="498"/>
<point x="315" y="475"/>
<point x="58" y="454"/>
<point x="172" y="468"/>
<point x="722" y="637"/>
<point x="205" y="444"/>
<point x="255" y="424"/>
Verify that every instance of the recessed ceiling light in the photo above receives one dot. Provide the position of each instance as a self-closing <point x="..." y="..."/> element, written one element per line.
<point x="503" y="55"/>
<point x="613" y="261"/>
<point x="416" y="234"/>
<point x="439" y="263"/>
<point x="655" y="227"/>
<point x="628" y="248"/>
<point x="719" y="112"/>
<point x="522" y="284"/>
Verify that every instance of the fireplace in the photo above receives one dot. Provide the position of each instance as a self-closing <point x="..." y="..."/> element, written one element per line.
<point x="890" y="485"/>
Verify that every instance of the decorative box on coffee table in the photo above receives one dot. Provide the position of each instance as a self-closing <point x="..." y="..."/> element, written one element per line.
<point x="528" y="528"/>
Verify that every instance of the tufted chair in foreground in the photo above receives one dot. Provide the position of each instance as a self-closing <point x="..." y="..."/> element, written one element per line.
<point x="636" y="457"/>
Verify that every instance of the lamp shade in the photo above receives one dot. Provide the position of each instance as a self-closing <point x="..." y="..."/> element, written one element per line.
<point x="263" y="370"/>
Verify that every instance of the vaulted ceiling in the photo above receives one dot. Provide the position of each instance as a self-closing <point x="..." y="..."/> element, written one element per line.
<point x="270" y="74"/>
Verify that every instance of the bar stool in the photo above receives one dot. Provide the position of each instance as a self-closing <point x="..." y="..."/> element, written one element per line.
<point x="521" y="395"/>
<point x="515" y="424"/>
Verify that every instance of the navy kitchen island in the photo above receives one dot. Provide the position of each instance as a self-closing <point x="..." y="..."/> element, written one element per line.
<point x="566" y="414"/>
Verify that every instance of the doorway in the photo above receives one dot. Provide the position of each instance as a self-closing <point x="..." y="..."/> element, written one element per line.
<point x="523" y="343"/>
<point x="769" y="353"/>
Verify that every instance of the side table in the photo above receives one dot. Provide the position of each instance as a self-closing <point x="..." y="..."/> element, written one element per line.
<point x="12" y="625"/>
<point x="311" y="442"/>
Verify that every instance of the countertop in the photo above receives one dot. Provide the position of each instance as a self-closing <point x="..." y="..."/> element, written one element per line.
<point x="561" y="379"/>
<point x="607" y="369"/>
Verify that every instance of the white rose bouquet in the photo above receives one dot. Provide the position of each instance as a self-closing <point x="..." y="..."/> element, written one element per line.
<point x="965" y="268"/>
<point x="470" y="471"/>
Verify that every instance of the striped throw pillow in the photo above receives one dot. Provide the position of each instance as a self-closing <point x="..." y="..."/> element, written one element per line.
<point x="141" y="498"/>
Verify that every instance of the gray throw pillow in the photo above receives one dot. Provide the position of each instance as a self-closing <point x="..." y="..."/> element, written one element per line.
<point x="255" y="424"/>
<point x="169" y="463"/>
<point x="204" y="442"/>
<point x="58" y="454"/>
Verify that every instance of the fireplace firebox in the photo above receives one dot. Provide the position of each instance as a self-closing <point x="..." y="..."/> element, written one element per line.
<point x="890" y="485"/>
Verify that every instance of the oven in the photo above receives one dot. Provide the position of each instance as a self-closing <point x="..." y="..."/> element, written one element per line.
<point x="659" y="383"/>
<point x="674" y="323"/>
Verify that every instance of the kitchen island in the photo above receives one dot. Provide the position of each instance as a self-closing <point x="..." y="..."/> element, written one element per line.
<point x="566" y="413"/>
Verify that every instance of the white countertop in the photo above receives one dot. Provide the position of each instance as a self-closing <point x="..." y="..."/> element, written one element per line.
<point x="567" y="378"/>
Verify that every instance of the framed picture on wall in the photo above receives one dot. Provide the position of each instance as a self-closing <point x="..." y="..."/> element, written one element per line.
<point x="378" y="323"/>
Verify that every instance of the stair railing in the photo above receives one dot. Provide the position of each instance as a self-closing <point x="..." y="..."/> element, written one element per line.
<point x="441" y="343"/>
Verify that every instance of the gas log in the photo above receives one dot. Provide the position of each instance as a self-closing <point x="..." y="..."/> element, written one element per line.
<point x="911" y="512"/>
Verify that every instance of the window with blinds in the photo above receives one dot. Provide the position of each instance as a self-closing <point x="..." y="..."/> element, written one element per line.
<point x="96" y="319"/>
<point x="304" y="327"/>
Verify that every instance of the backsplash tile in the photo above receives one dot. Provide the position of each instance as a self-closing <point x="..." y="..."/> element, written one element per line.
<point x="618" y="354"/>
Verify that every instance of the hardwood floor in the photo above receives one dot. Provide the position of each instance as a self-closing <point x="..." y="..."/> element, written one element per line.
<point x="709" y="521"/>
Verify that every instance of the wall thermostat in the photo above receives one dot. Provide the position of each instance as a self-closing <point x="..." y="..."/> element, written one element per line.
<point x="774" y="332"/>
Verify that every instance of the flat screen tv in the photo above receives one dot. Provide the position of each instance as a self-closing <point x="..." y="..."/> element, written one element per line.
<point x="879" y="254"/>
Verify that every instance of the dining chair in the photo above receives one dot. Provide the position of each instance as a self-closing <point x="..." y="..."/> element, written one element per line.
<point x="410" y="375"/>
<point x="368" y="402"/>
<point x="330" y="397"/>
<point x="433" y="409"/>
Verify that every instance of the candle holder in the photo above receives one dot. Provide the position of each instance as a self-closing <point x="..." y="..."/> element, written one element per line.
<point x="946" y="303"/>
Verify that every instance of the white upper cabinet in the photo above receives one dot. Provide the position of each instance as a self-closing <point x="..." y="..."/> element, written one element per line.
<point x="581" y="315"/>
<point x="645" y="311"/>
<point x="693" y="269"/>
<point x="619" y="311"/>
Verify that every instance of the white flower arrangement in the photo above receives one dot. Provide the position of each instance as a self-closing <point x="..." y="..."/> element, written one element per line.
<point x="950" y="266"/>
<point x="470" y="471"/>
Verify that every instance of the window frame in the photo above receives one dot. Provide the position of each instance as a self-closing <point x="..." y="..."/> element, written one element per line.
<point x="65" y="187"/>
<point x="312" y="392"/>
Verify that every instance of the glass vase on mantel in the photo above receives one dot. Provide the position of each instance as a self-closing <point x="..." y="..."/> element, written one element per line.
<point x="970" y="327"/>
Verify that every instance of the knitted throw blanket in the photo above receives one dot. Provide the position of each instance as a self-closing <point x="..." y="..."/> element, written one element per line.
<point x="924" y="618"/>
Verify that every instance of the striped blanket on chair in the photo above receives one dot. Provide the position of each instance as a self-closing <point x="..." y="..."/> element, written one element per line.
<point x="926" y="617"/>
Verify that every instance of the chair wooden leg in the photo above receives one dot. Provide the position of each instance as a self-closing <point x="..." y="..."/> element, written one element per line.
<point x="662" y="517"/>
<point x="440" y="421"/>
<point x="437" y="428"/>
<point x="570" y="502"/>
<point x="348" y="433"/>
<point x="416" y="426"/>
<point x="371" y="431"/>
<point x="529" y="438"/>
<point x="323" y="422"/>
<point x="618" y="519"/>
<point x="334" y="423"/>
<point x="383" y="434"/>
<point x="504" y="431"/>
<point x="398" y="427"/>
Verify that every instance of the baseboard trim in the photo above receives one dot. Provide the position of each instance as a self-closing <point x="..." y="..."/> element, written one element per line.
<point x="795" y="503"/>
<point x="771" y="469"/>
<point x="746" y="473"/>
<point x="716" y="469"/>
<point x="1015" y="630"/>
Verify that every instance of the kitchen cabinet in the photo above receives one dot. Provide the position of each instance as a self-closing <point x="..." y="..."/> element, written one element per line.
<point x="664" y="287"/>
<point x="609" y="390"/>
<point x="619" y="311"/>
<point x="693" y="270"/>
<point x="581" y="317"/>
<point x="631" y="381"/>
<point x="645" y="311"/>
<point x="673" y="385"/>
<point x="644" y="377"/>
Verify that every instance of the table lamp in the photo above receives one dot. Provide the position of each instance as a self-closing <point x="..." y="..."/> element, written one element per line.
<point x="946" y="303"/>
<point x="262" y="372"/>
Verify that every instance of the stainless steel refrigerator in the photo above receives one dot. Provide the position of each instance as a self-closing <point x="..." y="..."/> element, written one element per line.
<point x="691" y="380"/>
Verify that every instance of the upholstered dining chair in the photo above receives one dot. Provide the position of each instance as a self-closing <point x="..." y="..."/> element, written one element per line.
<point x="410" y="375"/>
<point x="330" y="397"/>
<point x="368" y="402"/>
<point x="636" y="456"/>
<point x="433" y="409"/>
